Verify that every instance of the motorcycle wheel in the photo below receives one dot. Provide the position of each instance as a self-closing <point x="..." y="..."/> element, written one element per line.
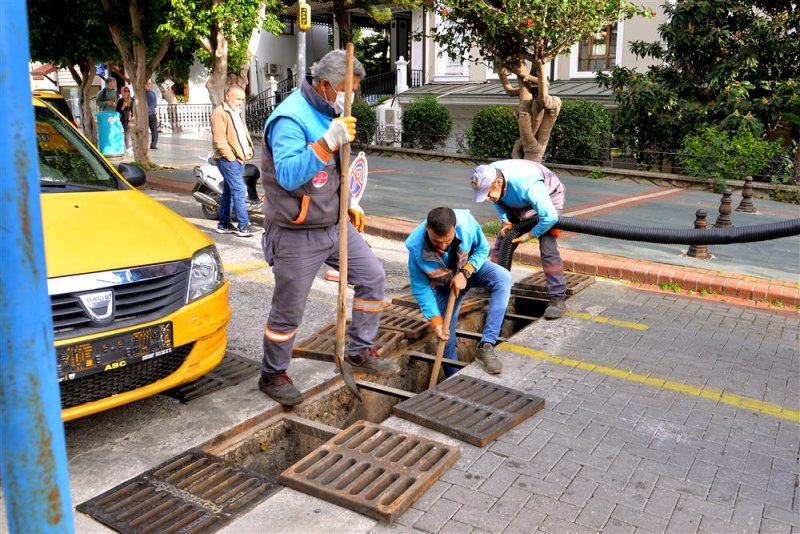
<point x="209" y="212"/>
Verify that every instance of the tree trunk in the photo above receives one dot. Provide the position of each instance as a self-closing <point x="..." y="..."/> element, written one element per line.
<point x="343" y="22"/>
<point x="535" y="115"/>
<point x="172" y="108"/>
<point x="84" y="80"/>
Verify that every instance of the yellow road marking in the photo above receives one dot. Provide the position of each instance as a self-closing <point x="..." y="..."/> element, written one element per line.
<point x="747" y="403"/>
<point x="244" y="267"/>
<point x="607" y="320"/>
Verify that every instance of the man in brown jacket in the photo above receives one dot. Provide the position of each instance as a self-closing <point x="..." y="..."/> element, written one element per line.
<point x="232" y="148"/>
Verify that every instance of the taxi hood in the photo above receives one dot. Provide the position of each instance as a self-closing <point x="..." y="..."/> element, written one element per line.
<point x="86" y="232"/>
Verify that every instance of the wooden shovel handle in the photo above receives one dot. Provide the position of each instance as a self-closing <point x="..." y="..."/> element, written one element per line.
<point x="448" y="317"/>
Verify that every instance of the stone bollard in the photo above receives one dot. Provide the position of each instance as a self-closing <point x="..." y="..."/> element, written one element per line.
<point x="746" y="204"/>
<point x="699" y="251"/>
<point x="725" y="209"/>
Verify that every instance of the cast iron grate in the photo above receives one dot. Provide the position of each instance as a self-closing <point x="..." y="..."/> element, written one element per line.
<point x="411" y="327"/>
<point x="469" y="409"/>
<point x="232" y="370"/>
<point x="372" y="469"/>
<point x="535" y="285"/>
<point x="474" y="300"/>
<point x="191" y="493"/>
<point x="322" y="345"/>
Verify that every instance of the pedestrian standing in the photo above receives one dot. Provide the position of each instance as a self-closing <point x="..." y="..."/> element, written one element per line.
<point x="521" y="189"/>
<point x="152" y="116"/>
<point x="448" y="252"/>
<point x="232" y="148"/>
<point x="108" y="96"/>
<point x="125" y="108"/>
<point x="301" y="173"/>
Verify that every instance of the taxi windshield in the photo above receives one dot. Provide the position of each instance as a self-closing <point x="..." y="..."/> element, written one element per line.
<point x="66" y="161"/>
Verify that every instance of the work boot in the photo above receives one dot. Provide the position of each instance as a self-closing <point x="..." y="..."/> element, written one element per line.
<point x="280" y="388"/>
<point x="555" y="309"/>
<point x="488" y="358"/>
<point x="369" y="361"/>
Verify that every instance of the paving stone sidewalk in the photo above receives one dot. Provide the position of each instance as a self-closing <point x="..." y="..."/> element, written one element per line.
<point x="609" y="453"/>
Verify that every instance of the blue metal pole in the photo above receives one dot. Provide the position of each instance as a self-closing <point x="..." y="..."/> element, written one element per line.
<point x="32" y="446"/>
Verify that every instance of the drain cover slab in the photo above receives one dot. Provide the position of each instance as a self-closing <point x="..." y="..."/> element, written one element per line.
<point x="192" y="493"/>
<point x="535" y="285"/>
<point x="468" y="409"/>
<point x="372" y="469"/>
<point x="232" y="370"/>
<point x="322" y="345"/>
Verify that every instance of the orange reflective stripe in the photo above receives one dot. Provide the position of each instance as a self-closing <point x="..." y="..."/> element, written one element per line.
<point x="303" y="210"/>
<point x="553" y="268"/>
<point x="278" y="337"/>
<point x="438" y="273"/>
<point x="371" y="306"/>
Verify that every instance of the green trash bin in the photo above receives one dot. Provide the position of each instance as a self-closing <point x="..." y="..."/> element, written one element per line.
<point x="110" y="136"/>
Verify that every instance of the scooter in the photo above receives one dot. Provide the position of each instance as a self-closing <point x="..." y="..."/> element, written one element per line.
<point x="208" y="189"/>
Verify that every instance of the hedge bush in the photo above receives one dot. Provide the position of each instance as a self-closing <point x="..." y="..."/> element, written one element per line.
<point x="426" y="123"/>
<point x="714" y="153"/>
<point x="581" y="133"/>
<point x="366" y="122"/>
<point x="493" y="132"/>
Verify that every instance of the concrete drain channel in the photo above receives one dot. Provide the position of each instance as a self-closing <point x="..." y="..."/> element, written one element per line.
<point x="332" y="446"/>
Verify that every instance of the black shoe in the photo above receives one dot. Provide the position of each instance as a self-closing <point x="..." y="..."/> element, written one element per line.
<point x="153" y="148"/>
<point x="247" y="231"/>
<point x="280" y="388"/>
<point x="226" y="229"/>
<point x="555" y="309"/>
<point x="369" y="361"/>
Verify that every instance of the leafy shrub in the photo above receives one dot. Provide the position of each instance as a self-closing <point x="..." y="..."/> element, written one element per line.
<point x="493" y="132"/>
<point x="714" y="153"/>
<point x="366" y="122"/>
<point x="426" y="123"/>
<point x="581" y="133"/>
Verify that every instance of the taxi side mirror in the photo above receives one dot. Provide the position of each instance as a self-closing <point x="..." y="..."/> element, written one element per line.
<point x="133" y="174"/>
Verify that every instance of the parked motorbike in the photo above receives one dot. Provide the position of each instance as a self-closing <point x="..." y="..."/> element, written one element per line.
<point x="208" y="189"/>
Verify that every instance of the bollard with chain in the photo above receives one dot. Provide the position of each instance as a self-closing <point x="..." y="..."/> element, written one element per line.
<point x="746" y="204"/>
<point x="725" y="209"/>
<point x="699" y="251"/>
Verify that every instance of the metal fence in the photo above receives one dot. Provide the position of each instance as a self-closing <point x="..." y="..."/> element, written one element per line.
<point x="183" y="118"/>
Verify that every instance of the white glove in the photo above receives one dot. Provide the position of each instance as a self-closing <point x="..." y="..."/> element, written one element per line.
<point x="341" y="132"/>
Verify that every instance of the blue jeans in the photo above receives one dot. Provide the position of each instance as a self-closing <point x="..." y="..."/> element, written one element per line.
<point x="233" y="193"/>
<point x="491" y="276"/>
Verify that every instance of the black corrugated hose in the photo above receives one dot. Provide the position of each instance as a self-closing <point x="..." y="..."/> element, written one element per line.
<point x="712" y="236"/>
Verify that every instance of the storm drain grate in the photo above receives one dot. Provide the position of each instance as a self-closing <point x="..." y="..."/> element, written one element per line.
<point x="411" y="327"/>
<point x="468" y="409"/>
<point x="232" y="370"/>
<point x="473" y="301"/>
<point x="535" y="285"/>
<point x="322" y="345"/>
<point x="372" y="469"/>
<point x="192" y="493"/>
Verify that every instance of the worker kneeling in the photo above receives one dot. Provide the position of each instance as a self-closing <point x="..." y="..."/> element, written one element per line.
<point x="448" y="252"/>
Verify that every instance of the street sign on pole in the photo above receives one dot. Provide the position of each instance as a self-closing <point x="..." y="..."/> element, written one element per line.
<point x="304" y="16"/>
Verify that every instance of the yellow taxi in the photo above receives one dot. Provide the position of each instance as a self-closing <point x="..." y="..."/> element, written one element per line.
<point x="138" y="294"/>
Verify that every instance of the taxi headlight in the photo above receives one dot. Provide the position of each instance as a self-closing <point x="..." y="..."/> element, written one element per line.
<point x="206" y="274"/>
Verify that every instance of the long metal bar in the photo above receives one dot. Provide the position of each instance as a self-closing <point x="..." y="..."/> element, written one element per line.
<point x="32" y="446"/>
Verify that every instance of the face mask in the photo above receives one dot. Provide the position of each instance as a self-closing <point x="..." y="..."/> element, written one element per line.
<point x="338" y="105"/>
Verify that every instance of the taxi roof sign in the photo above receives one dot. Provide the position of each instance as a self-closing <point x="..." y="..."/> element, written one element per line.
<point x="303" y="16"/>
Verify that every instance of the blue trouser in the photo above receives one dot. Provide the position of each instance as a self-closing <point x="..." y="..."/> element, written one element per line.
<point x="498" y="281"/>
<point x="152" y="122"/>
<point x="296" y="256"/>
<point x="233" y="193"/>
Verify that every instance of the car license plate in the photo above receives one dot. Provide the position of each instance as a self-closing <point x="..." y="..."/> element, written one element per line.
<point x="113" y="352"/>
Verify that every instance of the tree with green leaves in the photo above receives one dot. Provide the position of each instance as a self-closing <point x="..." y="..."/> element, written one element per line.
<point x="54" y="39"/>
<point x="376" y="9"/>
<point x="135" y="28"/>
<point x="723" y="63"/>
<point x="520" y="37"/>
<point x="226" y="34"/>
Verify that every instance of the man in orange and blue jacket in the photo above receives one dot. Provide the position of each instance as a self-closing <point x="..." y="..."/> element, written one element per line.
<point x="448" y="252"/>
